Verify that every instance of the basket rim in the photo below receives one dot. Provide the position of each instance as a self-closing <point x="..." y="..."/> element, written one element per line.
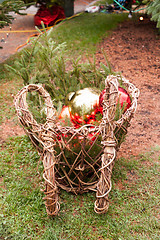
<point x="51" y="110"/>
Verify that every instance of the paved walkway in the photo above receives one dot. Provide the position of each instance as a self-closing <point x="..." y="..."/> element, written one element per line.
<point x="11" y="40"/>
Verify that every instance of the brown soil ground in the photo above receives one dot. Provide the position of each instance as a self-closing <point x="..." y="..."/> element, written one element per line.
<point x="134" y="50"/>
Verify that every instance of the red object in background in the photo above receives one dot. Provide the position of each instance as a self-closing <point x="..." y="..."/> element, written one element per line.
<point x="48" y="16"/>
<point x="123" y="98"/>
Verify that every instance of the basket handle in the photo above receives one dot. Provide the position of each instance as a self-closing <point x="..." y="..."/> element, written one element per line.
<point x="22" y="106"/>
<point x="25" y="117"/>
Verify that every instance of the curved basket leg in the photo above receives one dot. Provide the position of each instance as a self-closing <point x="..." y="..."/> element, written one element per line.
<point x="104" y="184"/>
<point x="107" y="130"/>
<point x="51" y="190"/>
<point x="35" y="131"/>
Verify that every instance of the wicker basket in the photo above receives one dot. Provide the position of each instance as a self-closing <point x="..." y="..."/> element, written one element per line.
<point x="91" y="167"/>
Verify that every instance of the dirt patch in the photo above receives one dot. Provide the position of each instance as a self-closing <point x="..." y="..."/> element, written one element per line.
<point x="9" y="129"/>
<point x="133" y="50"/>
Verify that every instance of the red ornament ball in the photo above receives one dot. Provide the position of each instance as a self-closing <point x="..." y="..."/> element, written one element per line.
<point x="123" y="99"/>
<point x="64" y="117"/>
<point x="64" y="113"/>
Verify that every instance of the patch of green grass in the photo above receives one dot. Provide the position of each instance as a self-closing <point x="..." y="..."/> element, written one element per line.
<point x="9" y="86"/>
<point x="103" y="2"/>
<point x="8" y="89"/>
<point x="83" y="32"/>
<point x="134" y="200"/>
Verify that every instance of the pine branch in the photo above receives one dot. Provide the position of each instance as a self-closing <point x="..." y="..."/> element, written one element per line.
<point x="46" y="63"/>
<point x="8" y="6"/>
<point x="154" y="10"/>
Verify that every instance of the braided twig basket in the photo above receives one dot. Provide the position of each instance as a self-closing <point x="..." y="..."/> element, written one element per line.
<point x="91" y="167"/>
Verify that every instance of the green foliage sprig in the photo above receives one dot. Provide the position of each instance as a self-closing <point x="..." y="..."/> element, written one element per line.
<point x="46" y="63"/>
<point x="154" y="10"/>
<point x="8" y="6"/>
